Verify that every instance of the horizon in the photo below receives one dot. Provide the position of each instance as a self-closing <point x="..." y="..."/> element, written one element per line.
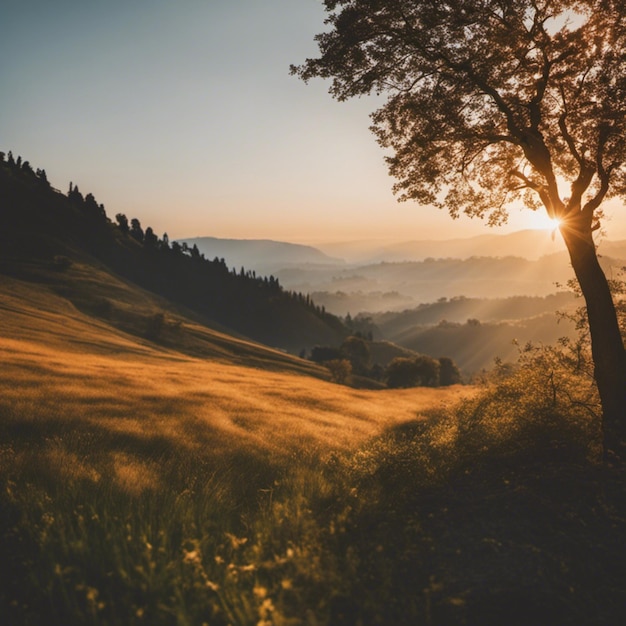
<point x="187" y="119"/>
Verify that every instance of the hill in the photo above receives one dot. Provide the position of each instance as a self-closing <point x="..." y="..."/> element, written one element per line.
<point x="263" y="255"/>
<point x="530" y="244"/>
<point x="42" y="229"/>
<point x="396" y="286"/>
<point x="140" y="482"/>
<point x="155" y="469"/>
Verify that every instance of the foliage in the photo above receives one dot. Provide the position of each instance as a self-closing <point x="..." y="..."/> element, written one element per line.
<point x="421" y="370"/>
<point x="356" y="350"/>
<point x="321" y="354"/>
<point x="340" y="370"/>
<point x="448" y="372"/>
<point x="486" y="100"/>
<point x="402" y="372"/>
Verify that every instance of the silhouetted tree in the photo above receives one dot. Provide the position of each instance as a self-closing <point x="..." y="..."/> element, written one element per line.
<point x="136" y="232"/>
<point x="150" y="239"/>
<point x="428" y="370"/>
<point x="41" y="174"/>
<point x="75" y="195"/>
<point x="401" y="372"/>
<point x="320" y="354"/>
<point x="493" y="102"/>
<point x="92" y="207"/>
<point x="122" y="222"/>
<point x="448" y="372"/>
<point x="356" y="350"/>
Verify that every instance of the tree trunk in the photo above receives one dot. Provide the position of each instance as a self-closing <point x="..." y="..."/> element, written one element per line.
<point x="607" y="347"/>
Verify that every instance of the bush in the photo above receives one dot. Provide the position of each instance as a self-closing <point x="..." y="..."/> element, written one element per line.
<point x="340" y="370"/>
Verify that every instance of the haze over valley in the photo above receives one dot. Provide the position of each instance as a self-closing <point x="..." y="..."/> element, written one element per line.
<point x="428" y="296"/>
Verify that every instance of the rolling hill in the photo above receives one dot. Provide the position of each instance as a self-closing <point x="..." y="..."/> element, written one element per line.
<point x="263" y="255"/>
<point x="42" y="229"/>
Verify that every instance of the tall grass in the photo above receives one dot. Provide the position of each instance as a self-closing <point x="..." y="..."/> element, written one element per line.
<point x="141" y="486"/>
<point x="492" y="512"/>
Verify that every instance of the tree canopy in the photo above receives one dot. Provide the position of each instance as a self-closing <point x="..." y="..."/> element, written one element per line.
<point x="488" y="99"/>
<point x="492" y="103"/>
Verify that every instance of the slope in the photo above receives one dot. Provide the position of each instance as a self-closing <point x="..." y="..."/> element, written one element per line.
<point x="40" y="226"/>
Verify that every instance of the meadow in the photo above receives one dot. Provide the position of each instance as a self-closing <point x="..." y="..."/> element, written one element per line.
<point x="228" y="483"/>
<point x="139" y="482"/>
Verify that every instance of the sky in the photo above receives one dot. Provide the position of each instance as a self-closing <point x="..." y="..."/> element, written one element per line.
<point x="184" y="115"/>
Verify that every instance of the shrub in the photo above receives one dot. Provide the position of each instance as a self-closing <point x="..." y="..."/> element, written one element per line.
<point x="340" y="370"/>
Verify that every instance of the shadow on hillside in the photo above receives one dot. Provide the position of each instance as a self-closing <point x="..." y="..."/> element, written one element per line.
<point x="451" y="532"/>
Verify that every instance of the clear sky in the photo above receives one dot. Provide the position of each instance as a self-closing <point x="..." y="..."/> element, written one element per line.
<point x="184" y="115"/>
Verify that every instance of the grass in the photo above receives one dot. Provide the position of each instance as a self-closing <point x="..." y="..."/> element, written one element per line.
<point x="144" y="485"/>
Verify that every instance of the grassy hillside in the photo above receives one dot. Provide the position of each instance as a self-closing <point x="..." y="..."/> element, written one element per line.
<point x="227" y="483"/>
<point x="41" y="228"/>
<point x="125" y="462"/>
<point x="83" y="368"/>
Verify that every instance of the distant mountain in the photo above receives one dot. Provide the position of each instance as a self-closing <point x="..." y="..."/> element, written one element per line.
<point x="398" y="285"/>
<point x="529" y="244"/>
<point x="402" y="285"/>
<point x="262" y="255"/>
<point x="45" y="233"/>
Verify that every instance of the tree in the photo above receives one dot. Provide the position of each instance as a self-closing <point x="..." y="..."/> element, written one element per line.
<point x="122" y="222"/>
<point x="427" y="371"/>
<point x="321" y="354"/>
<point x="401" y="372"/>
<point x="340" y="370"/>
<point x="448" y="372"/>
<point x="149" y="238"/>
<point x="356" y="350"/>
<point x="491" y="103"/>
<point x="135" y="230"/>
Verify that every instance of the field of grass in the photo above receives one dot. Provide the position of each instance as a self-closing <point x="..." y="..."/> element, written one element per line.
<point x="228" y="483"/>
<point x="141" y="484"/>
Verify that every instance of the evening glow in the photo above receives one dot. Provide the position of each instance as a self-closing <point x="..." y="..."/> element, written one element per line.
<point x="185" y="116"/>
<point x="540" y="220"/>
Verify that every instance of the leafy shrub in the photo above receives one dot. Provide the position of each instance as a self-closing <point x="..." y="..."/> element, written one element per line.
<point x="340" y="370"/>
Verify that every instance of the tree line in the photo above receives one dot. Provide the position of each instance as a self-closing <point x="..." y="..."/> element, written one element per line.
<point x="353" y="358"/>
<point x="257" y="306"/>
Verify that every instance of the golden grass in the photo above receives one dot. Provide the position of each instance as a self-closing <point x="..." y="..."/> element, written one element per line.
<point x="62" y="365"/>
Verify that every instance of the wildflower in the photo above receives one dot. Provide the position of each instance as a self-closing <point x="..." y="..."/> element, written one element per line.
<point x="191" y="556"/>
<point x="235" y="541"/>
